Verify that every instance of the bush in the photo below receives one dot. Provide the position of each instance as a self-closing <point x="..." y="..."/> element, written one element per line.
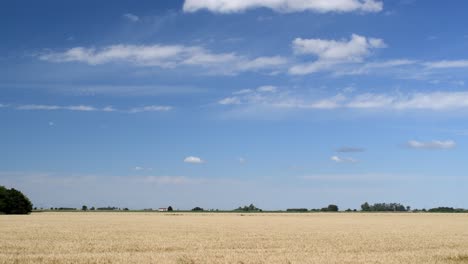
<point x="197" y="209"/>
<point x="14" y="202"/>
<point x="169" y="209"/>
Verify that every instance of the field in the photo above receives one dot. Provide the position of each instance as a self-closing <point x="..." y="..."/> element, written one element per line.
<point x="233" y="238"/>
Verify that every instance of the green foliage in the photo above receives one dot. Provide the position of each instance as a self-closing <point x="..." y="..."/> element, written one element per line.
<point x="14" y="202"/>
<point x="330" y="208"/>
<point x="365" y="207"/>
<point x="169" y="209"/>
<point x="296" y="210"/>
<point x="198" y="209"/>
<point x="383" y="207"/>
<point x="250" y="208"/>
<point x="84" y="208"/>
<point x="446" y="210"/>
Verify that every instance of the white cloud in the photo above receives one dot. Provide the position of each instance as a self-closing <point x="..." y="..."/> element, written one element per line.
<point x="51" y="123"/>
<point x="229" y="101"/>
<point x="354" y="49"/>
<point x="243" y="91"/>
<point x="192" y="159"/>
<point x="320" y="6"/>
<point x="131" y="17"/>
<point x="435" y="144"/>
<point x="150" y="108"/>
<point x="242" y="160"/>
<point x="435" y="101"/>
<point x="343" y="159"/>
<point x="267" y="88"/>
<point x="56" y="107"/>
<point x="139" y="168"/>
<point x="371" y="67"/>
<point x="447" y="64"/>
<point x="88" y="108"/>
<point x="166" y="56"/>
<point x="330" y="53"/>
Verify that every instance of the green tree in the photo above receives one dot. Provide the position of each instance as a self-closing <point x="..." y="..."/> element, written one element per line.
<point x="332" y="208"/>
<point x="13" y="201"/>
<point x="84" y="208"/>
<point x="365" y="207"/>
<point x="169" y="209"/>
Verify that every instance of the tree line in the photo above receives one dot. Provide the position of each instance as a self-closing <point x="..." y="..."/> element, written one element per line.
<point x="13" y="201"/>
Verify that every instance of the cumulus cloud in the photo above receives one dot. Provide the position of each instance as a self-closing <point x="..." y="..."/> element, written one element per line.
<point x="330" y="53"/>
<point x="194" y="160"/>
<point x="435" y="144"/>
<point x="166" y="56"/>
<point x="343" y="159"/>
<point x="287" y="6"/>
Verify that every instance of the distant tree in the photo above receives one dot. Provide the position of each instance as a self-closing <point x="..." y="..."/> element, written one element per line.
<point x="332" y="208"/>
<point x="13" y="201"/>
<point x="197" y="209"/>
<point x="125" y="209"/>
<point x="250" y="208"/>
<point x="92" y="208"/>
<point x="84" y="208"/>
<point x="365" y="207"/>
<point x="348" y="210"/>
<point x="443" y="210"/>
<point x="169" y="209"/>
<point x="296" y="210"/>
<point x="383" y="207"/>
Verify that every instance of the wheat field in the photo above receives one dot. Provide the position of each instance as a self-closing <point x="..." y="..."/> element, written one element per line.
<point x="233" y="238"/>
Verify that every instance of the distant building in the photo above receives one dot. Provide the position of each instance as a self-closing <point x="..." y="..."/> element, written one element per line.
<point x="162" y="209"/>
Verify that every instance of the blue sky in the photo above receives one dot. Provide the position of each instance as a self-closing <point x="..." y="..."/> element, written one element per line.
<point x="224" y="103"/>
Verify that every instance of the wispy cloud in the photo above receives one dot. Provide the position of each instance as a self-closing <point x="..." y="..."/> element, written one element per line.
<point x="435" y="144"/>
<point x="287" y="6"/>
<point x="89" y="108"/>
<point x="444" y="64"/>
<point x="338" y="159"/>
<point x="131" y="17"/>
<point x="151" y="108"/>
<point x="194" y="160"/>
<point x="56" y="107"/>
<point x="166" y="56"/>
<point x="434" y="101"/>
<point x="331" y="53"/>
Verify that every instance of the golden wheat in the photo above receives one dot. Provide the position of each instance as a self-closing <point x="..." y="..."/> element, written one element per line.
<point x="233" y="238"/>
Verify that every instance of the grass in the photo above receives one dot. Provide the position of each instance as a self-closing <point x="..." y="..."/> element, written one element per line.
<point x="192" y="238"/>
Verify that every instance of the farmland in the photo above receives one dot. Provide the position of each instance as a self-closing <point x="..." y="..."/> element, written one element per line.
<point x="103" y="237"/>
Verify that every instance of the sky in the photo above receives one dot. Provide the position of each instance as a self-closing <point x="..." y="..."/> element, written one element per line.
<point x="223" y="103"/>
